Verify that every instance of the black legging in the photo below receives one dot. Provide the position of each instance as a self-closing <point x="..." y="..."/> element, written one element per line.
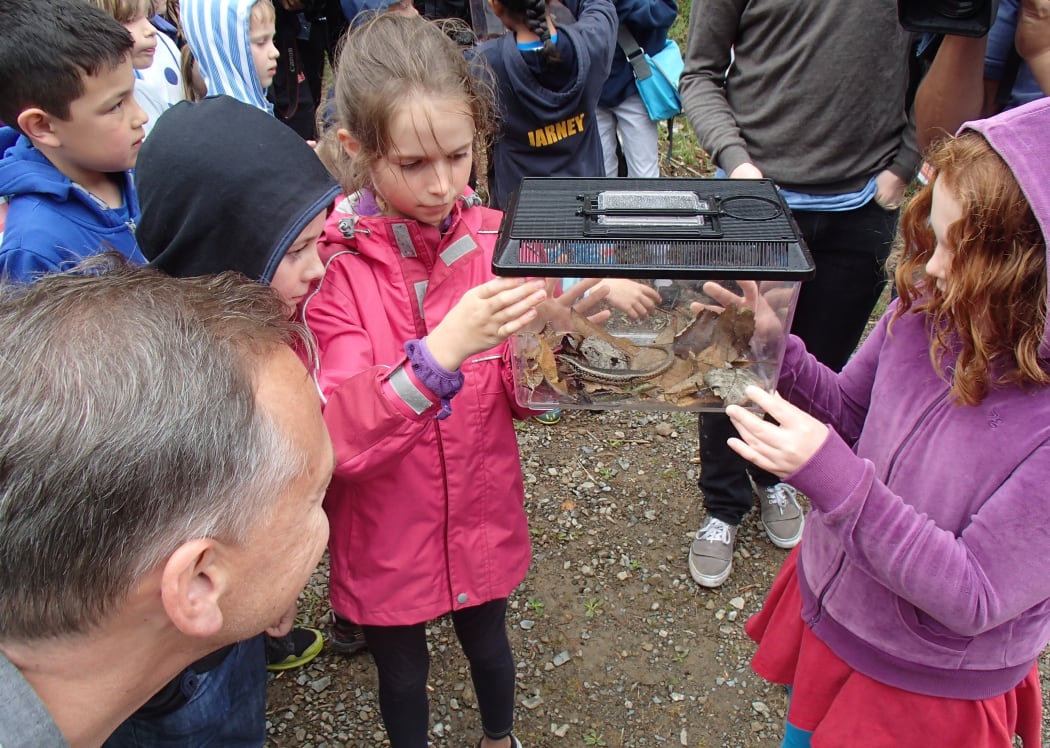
<point x="401" y="657"/>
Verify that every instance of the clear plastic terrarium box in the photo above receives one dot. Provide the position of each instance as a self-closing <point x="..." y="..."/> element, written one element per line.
<point x="723" y="256"/>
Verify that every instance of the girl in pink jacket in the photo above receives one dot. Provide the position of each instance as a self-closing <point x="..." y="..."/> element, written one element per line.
<point x="426" y="504"/>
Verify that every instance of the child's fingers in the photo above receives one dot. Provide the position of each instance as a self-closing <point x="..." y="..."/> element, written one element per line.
<point x="746" y="423"/>
<point x="515" y="324"/>
<point x="578" y="290"/>
<point x="591" y="301"/>
<point x="722" y="294"/>
<point x="496" y="287"/>
<point x="696" y="307"/>
<point x="749" y="453"/>
<point x="772" y="403"/>
<point x="515" y="307"/>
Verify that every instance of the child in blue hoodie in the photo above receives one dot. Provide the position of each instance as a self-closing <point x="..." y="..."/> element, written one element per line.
<point x="74" y="132"/>
<point x="549" y="79"/>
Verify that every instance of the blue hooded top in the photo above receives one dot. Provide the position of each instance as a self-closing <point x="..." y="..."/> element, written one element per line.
<point x="547" y="117"/>
<point x="53" y="223"/>
<point x="217" y="32"/>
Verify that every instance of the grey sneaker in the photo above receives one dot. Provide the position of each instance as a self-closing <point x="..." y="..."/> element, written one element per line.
<point x="711" y="554"/>
<point x="781" y="514"/>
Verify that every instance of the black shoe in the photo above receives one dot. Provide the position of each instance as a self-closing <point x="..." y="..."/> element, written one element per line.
<point x="345" y="636"/>
<point x="295" y="649"/>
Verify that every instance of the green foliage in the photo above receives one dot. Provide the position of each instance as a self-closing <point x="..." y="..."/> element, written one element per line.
<point x="593" y="737"/>
<point x="594" y="607"/>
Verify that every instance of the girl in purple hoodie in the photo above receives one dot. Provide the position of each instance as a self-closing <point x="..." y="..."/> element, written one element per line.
<point x="917" y="605"/>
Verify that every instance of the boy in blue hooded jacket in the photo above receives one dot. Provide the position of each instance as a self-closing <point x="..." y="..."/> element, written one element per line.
<point x="74" y="132"/>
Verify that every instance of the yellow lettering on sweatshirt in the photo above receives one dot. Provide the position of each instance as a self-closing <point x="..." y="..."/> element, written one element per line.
<point x="551" y="134"/>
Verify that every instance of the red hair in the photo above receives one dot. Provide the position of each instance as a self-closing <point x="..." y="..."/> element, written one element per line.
<point x="992" y="315"/>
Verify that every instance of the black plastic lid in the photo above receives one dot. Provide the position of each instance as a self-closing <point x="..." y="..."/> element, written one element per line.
<point x="650" y="228"/>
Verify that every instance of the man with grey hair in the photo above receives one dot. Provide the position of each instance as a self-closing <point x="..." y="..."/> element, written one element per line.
<point x="158" y="440"/>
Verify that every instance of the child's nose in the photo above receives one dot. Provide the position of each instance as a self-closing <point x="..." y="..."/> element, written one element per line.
<point x="442" y="178"/>
<point x="314" y="268"/>
<point x="138" y="115"/>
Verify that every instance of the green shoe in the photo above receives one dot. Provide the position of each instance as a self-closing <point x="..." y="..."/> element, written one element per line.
<point x="549" y="418"/>
<point x="295" y="649"/>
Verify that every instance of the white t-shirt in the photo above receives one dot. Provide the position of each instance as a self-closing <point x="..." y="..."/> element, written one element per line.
<point x="160" y="85"/>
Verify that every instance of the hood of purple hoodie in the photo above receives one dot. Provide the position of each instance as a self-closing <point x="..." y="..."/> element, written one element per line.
<point x="1021" y="137"/>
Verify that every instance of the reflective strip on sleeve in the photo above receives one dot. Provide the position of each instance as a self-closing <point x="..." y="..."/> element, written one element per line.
<point x="409" y="393"/>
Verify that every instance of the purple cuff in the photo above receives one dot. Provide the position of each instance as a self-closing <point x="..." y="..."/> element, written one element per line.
<point x="439" y="380"/>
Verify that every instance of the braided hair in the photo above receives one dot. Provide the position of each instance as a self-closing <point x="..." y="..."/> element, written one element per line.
<point x="533" y="14"/>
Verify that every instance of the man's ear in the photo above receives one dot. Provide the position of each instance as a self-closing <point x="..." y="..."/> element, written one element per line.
<point x="349" y="143"/>
<point x="192" y="584"/>
<point x="36" y="124"/>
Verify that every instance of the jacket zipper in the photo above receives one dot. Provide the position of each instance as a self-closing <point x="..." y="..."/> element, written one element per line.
<point x="915" y="427"/>
<point x="815" y="618"/>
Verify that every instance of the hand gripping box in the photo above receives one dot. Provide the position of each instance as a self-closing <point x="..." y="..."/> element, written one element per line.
<point x="699" y="279"/>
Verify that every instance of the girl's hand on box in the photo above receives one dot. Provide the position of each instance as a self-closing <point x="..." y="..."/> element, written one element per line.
<point x="486" y="316"/>
<point x="782" y="447"/>
<point x="557" y="310"/>
<point x="769" y="327"/>
<point x="636" y="300"/>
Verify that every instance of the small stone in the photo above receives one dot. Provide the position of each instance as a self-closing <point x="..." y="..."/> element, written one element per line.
<point x="737" y="602"/>
<point x="321" y="683"/>
<point x="561" y="658"/>
<point x="760" y="707"/>
<point x="675" y="696"/>
<point x="526" y="624"/>
<point x="683" y="737"/>
<point x="664" y="429"/>
<point x="531" y="702"/>
<point x="560" y="730"/>
<point x="732" y="615"/>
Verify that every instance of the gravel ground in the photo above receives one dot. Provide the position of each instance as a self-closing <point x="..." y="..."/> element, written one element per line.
<point x="615" y="643"/>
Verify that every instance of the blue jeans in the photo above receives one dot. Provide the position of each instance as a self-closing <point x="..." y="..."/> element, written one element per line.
<point x="226" y="707"/>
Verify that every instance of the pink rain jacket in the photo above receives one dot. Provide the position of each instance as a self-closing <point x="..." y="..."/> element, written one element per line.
<point x="427" y="515"/>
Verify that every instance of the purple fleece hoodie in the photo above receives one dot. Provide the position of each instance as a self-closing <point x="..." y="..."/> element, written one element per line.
<point x="925" y="562"/>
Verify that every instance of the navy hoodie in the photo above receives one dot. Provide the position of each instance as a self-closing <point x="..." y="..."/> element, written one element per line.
<point x="547" y="118"/>
<point x="53" y="223"/>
